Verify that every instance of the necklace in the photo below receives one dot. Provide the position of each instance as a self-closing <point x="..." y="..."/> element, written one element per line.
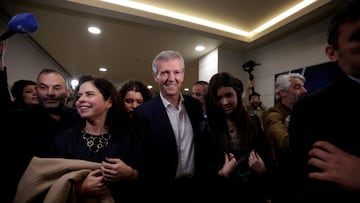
<point x="232" y="129"/>
<point x="96" y="142"/>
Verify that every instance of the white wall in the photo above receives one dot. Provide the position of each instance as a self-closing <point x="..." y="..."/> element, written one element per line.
<point x="221" y="60"/>
<point x="231" y="61"/>
<point x="23" y="59"/>
<point x="301" y="49"/>
<point x="208" y="65"/>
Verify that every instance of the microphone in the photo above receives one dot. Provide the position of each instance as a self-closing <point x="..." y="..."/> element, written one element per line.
<point x="23" y="23"/>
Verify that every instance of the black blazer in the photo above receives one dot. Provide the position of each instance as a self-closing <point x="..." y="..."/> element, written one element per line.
<point x="326" y="115"/>
<point x="158" y="157"/>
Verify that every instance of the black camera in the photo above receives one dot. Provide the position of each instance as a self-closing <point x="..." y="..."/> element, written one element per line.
<point x="249" y="67"/>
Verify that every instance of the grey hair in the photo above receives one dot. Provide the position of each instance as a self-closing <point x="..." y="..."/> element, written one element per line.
<point x="165" y="56"/>
<point x="282" y="82"/>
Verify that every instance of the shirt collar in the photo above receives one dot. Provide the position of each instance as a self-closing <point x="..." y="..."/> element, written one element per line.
<point x="166" y="103"/>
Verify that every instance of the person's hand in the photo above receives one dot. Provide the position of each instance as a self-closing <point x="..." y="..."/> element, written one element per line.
<point x="229" y="166"/>
<point x="336" y="165"/>
<point x="114" y="169"/>
<point x="256" y="163"/>
<point x="251" y="84"/>
<point x="93" y="184"/>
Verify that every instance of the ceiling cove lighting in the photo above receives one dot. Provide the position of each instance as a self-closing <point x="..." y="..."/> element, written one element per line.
<point x="214" y="25"/>
<point x="179" y="16"/>
<point x="282" y="16"/>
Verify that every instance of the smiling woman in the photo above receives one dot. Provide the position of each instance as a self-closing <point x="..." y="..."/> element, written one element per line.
<point x="101" y="136"/>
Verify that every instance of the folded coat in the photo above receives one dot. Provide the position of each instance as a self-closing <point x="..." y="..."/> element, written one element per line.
<point x="57" y="177"/>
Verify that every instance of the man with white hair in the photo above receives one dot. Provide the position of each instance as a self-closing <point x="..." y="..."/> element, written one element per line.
<point x="288" y="89"/>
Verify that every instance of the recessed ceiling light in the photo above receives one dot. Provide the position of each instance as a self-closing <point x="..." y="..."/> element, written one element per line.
<point x="186" y="89"/>
<point x="102" y="69"/>
<point x="200" y="48"/>
<point x="74" y="83"/>
<point x="94" y="30"/>
<point x="149" y="87"/>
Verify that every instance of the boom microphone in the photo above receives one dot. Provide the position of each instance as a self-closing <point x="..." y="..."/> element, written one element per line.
<point x="23" y="23"/>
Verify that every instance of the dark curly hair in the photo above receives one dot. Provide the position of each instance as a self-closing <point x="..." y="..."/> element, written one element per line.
<point x="17" y="91"/>
<point x="108" y="91"/>
<point x="136" y="86"/>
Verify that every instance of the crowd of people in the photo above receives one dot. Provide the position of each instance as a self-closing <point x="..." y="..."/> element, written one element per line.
<point x="126" y="144"/>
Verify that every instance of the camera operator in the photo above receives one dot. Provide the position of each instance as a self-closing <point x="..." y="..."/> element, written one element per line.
<point x="254" y="105"/>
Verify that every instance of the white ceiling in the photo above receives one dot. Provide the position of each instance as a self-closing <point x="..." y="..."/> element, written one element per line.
<point x="131" y="38"/>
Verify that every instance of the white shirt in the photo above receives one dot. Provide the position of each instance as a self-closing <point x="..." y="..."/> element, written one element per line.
<point x="183" y="132"/>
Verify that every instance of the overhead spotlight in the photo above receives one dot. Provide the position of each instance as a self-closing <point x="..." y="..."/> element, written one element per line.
<point x="200" y="48"/>
<point x="94" y="30"/>
<point x="102" y="69"/>
<point x="74" y="83"/>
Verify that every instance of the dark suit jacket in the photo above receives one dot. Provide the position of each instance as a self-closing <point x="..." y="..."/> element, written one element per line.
<point x="330" y="115"/>
<point x="158" y="157"/>
<point x="27" y="133"/>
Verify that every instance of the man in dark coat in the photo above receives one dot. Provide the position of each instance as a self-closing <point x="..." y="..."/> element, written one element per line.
<point x="324" y="128"/>
<point x="167" y="127"/>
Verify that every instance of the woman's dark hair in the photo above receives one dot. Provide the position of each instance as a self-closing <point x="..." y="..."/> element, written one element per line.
<point x="17" y="91"/>
<point x="108" y="91"/>
<point x="217" y="118"/>
<point x="136" y="86"/>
